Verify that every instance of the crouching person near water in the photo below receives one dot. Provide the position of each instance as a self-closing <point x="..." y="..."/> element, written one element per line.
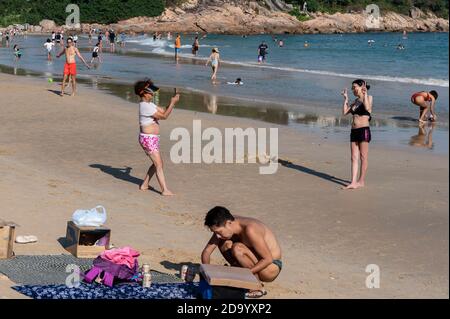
<point x="244" y="242"/>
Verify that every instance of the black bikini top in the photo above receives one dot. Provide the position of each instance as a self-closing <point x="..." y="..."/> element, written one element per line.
<point x="359" y="109"/>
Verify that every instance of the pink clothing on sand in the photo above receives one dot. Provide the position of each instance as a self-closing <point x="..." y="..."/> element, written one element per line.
<point x="122" y="256"/>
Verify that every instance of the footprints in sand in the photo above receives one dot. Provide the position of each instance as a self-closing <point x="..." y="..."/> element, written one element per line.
<point x="6" y="152"/>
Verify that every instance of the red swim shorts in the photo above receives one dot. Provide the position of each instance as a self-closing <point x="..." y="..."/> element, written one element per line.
<point x="70" y="69"/>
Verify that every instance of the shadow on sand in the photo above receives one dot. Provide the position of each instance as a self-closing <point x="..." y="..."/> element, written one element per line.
<point x="122" y="174"/>
<point x="310" y="171"/>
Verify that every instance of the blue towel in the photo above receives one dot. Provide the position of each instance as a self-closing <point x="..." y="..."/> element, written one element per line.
<point x="124" y="291"/>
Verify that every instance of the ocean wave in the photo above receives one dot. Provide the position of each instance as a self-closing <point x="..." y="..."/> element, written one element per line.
<point x="382" y="78"/>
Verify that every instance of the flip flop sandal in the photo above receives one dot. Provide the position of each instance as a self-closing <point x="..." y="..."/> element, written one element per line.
<point x="255" y="294"/>
<point x="26" y="239"/>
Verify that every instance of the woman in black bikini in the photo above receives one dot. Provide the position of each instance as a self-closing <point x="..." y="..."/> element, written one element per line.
<point x="360" y="136"/>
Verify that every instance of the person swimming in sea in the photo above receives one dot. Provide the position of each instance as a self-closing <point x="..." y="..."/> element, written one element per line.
<point x="237" y="82"/>
<point x="427" y="102"/>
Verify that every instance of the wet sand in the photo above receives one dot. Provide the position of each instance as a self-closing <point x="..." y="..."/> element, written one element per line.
<point x="60" y="154"/>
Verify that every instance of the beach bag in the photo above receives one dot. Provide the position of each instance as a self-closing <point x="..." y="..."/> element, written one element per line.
<point x="94" y="217"/>
<point x="108" y="272"/>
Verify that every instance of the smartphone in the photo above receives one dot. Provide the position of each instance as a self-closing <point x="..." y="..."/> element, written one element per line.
<point x="175" y="91"/>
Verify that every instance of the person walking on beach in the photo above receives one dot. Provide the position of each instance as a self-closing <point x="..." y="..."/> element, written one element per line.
<point x="426" y="101"/>
<point x="195" y="46"/>
<point x="49" y="47"/>
<point x="149" y="117"/>
<point x="360" y="136"/>
<point x="244" y="242"/>
<point x="70" y="67"/>
<point x="262" y="52"/>
<point x="177" y="46"/>
<point x="214" y="58"/>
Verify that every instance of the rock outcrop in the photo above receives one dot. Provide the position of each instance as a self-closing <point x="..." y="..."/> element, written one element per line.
<point x="265" y="16"/>
<point x="47" y="25"/>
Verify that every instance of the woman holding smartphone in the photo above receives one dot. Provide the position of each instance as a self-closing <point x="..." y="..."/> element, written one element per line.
<point x="360" y="136"/>
<point x="149" y="117"/>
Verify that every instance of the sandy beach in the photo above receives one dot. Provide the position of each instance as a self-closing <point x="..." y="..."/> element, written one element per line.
<point x="61" y="154"/>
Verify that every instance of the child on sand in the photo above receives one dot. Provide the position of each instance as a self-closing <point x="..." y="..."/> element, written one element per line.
<point x="360" y="136"/>
<point x="244" y="242"/>
<point x="149" y="117"/>
<point x="426" y="101"/>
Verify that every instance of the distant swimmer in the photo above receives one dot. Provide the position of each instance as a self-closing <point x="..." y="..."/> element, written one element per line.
<point x="169" y="36"/>
<point x="306" y="44"/>
<point x="281" y="43"/>
<point x="360" y="136"/>
<point x="405" y="35"/>
<point x="426" y="101"/>
<point x="70" y="67"/>
<point x="262" y="52"/>
<point x="49" y="47"/>
<point x="214" y="58"/>
<point x="53" y="36"/>
<point x="237" y="82"/>
<point x="400" y="47"/>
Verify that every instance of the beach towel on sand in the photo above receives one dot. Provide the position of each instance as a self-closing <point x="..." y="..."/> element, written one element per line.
<point x="122" y="291"/>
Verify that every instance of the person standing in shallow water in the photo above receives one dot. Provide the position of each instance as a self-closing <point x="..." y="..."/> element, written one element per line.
<point x="214" y="58"/>
<point x="149" y="117"/>
<point x="360" y="135"/>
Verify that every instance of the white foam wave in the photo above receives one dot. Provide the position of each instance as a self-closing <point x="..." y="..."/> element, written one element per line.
<point x="382" y="78"/>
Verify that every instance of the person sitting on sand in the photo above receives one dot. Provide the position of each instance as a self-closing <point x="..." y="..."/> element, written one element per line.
<point x="70" y="67"/>
<point x="426" y="101"/>
<point x="244" y="242"/>
<point x="360" y="136"/>
<point x="149" y="117"/>
<point x="214" y="58"/>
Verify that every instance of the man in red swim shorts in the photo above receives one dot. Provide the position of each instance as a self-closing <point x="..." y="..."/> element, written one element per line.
<point x="70" y="68"/>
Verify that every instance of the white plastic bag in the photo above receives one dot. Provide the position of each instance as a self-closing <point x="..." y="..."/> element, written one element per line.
<point x="95" y="217"/>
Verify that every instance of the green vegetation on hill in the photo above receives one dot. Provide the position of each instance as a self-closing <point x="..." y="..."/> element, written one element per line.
<point x="439" y="7"/>
<point x="111" y="11"/>
<point x="100" y="11"/>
